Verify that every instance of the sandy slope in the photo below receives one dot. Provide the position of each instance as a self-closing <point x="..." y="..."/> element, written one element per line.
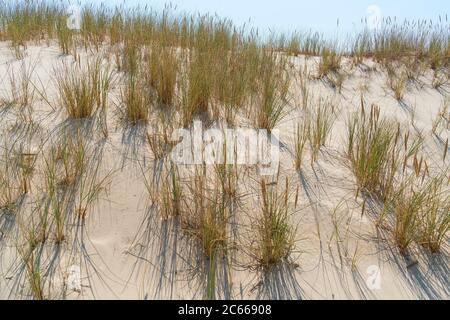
<point x="126" y="251"/>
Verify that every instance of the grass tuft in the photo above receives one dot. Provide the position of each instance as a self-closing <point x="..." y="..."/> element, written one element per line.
<point x="275" y="236"/>
<point x="83" y="89"/>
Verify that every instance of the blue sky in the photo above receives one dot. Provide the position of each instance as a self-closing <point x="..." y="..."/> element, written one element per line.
<point x="318" y="15"/>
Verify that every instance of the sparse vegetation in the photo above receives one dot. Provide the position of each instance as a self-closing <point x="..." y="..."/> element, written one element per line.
<point x="22" y="92"/>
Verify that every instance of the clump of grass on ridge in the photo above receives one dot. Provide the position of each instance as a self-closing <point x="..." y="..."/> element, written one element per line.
<point x="330" y="62"/>
<point x="83" y="89"/>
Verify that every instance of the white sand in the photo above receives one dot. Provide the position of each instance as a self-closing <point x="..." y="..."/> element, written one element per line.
<point x="126" y="251"/>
